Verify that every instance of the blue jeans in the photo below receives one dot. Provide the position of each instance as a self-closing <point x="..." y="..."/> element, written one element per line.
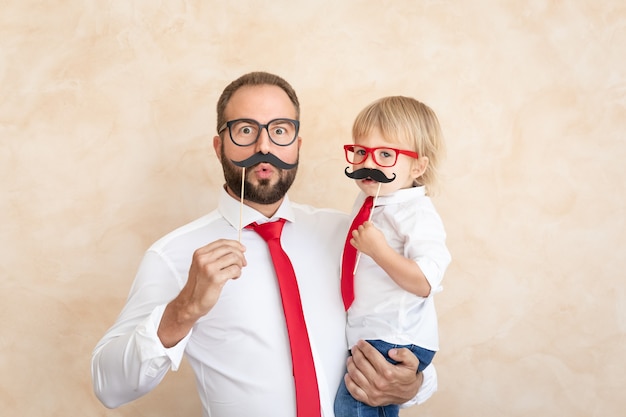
<point x="346" y="406"/>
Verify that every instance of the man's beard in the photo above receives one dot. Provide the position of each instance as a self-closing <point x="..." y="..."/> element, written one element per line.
<point x="264" y="192"/>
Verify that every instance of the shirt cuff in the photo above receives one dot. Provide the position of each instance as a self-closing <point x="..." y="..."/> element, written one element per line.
<point x="428" y="388"/>
<point x="432" y="273"/>
<point x="149" y="346"/>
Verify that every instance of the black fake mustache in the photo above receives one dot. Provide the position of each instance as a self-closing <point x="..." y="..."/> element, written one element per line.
<point x="374" y="174"/>
<point x="270" y="158"/>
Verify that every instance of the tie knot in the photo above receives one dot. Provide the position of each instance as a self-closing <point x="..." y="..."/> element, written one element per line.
<point x="269" y="230"/>
<point x="369" y="202"/>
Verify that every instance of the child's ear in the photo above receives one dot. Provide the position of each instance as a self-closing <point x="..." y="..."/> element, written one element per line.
<point x="419" y="167"/>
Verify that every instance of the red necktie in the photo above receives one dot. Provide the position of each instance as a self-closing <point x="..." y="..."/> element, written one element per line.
<point x="349" y="254"/>
<point x="307" y="394"/>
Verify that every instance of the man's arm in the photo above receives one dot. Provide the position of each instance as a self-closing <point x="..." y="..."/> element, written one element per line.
<point x="145" y="342"/>
<point x="212" y="266"/>
<point x="130" y="361"/>
<point x="373" y="380"/>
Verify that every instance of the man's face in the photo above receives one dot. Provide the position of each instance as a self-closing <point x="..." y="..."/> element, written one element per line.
<point x="259" y="187"/>
<point x="265" y="183"/>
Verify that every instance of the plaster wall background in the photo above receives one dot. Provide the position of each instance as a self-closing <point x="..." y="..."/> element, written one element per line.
<point x="106" y="120"/>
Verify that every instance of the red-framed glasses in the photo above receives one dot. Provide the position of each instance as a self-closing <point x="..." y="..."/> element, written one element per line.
<point x="382" y="156"/>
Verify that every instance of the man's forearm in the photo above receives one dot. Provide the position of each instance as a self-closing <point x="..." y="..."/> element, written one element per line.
<point x="175" y="324"/>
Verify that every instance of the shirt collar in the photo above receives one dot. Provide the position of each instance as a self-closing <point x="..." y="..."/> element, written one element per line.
<point x="230" y="208"/>
<point x="400" y="196"/>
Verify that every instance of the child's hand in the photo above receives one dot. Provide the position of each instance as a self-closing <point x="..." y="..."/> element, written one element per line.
<point x="368" y="239"/>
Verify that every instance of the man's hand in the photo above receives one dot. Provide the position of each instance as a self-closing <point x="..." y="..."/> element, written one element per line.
<point x="212" y="266"/>
<point x="371" y="379"/>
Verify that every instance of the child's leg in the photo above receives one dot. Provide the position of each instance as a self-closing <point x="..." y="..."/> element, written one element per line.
<point x="391" y="410"/>
<point x="345" y="405"/>
<point x="425" y="356"/>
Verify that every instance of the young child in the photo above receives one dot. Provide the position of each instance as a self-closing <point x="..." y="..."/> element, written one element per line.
<point x="393" y="264"/>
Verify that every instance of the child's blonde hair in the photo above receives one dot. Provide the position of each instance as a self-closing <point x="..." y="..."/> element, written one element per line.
<point x="407" y="122"/>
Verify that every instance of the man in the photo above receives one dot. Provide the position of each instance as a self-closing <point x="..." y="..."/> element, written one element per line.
<point x="201" y="292"/>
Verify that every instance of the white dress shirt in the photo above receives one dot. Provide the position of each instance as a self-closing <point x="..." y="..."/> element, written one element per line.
<point x="381" y="308"/>
<point x="239" y="351"/>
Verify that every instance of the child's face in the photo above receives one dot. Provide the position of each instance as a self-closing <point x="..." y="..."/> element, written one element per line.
<point x="406" y="169"/>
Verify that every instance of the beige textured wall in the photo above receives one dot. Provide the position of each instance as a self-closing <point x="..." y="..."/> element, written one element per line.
<point x="106" y="119"/>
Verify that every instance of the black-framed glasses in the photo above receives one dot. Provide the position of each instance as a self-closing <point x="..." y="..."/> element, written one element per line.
<point x="382" y="156"/>
<point x="245" y="132"/>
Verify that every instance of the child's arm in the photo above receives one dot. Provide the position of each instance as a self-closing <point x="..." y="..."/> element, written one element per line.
<point x="405" y="272"/>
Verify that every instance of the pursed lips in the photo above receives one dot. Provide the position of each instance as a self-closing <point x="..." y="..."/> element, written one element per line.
<point x="264" y="171"/>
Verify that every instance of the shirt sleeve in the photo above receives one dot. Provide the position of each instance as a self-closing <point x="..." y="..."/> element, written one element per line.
<point x="428" y="388"/>
<point x="130" y="360"/>
<point x="426" y="244"/>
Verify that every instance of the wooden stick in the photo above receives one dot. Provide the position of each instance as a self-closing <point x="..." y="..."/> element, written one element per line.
<point x="243" y="180"/>
<point x="358" y="256"/>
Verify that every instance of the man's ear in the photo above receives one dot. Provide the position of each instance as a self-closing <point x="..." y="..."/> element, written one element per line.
<point x="217" y="145"/>
<point x="419" y="167"/>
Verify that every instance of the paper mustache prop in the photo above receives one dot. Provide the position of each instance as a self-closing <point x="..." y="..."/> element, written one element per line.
<point x="374" y="174"/>
<point x="259" y="157"/>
